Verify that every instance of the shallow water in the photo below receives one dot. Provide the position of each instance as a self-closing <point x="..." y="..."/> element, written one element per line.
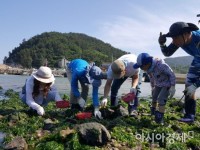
<point x="16" y="82"/>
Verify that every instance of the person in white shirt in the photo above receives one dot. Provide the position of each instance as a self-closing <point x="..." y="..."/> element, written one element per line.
<point x="39" y="89"/>
<point x="117" y="73"/>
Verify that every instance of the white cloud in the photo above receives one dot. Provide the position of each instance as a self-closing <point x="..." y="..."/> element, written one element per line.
<point x="139" y="31"/>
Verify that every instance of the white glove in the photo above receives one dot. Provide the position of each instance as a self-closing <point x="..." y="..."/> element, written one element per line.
<point x="133" y="90"/>
<point x="81" y="102"/>
<point x="104" y="102"/>
<point x="97" y="113"/>
<point x="190" y="90"/>
<point x="172" y="91"/>
<point x="40" y="111"/>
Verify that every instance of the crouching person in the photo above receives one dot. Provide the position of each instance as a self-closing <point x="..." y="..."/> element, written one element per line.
<point x="39" y="89"/>
<point x="162" y="81"/>
<point x="80" y="71"/>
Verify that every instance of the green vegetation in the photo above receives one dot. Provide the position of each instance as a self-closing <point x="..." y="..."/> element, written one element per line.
<point x="54" y="46"/>
<point x="126" y="132"/>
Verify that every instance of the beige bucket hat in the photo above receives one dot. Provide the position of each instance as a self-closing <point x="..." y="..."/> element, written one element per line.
<point x="44" y="74"/>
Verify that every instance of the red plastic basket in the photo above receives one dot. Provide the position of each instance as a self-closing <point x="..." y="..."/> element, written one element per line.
<point x="62" y="104"/>
<point x="83" y="115"/>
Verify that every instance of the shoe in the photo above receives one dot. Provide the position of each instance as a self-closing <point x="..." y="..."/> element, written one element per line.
<point x="159" y="117"/>
<point x="153" y="109"/>
<point x="132" y="110"/>
<point x="188" y="118"/>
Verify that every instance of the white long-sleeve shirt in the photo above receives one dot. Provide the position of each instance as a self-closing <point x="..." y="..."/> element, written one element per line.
<point x="35" y="103"/>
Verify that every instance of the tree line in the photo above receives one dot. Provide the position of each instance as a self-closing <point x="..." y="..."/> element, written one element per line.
<point x="55" y="46"/>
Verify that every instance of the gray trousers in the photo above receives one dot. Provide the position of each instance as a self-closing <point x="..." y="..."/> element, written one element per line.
<point x="160" y="95"/>
<point x="84" y="89"/>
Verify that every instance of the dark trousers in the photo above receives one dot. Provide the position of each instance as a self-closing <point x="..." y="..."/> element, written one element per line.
<point x="114" y="89"/>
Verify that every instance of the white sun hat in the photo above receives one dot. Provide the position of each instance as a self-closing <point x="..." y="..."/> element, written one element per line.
<point x="44" y="74"/>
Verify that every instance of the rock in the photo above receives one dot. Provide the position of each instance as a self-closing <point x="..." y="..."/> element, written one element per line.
<point x="65" y="133"/>
<point x="18" y="143"/>
<point x="41" y="133"/>
<point x="93" y="133"/>
<point x="123" y="111"/>
<point x="107" y="113"/>
<point x="48" y="124"/>
<point x="2" y="136"/>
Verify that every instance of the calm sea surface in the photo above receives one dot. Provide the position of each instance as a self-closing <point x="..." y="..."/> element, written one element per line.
<point x="16" y="82"/>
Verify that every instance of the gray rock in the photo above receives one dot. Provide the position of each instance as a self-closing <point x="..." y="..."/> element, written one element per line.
<point x="93" y="133"/>
<point x="18" y="143"/>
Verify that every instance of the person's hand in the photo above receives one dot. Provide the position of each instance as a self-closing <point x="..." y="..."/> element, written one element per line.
<point x="97" y="113"/>
<point x="190" y="90"/>
<point x="104" y="102"/>
<point x="162" y="39"/>
<point x="172" y="91"/>
<point x="133" y="90"/>
<point x="81" y="102"/>
<point x="40" y="111"/>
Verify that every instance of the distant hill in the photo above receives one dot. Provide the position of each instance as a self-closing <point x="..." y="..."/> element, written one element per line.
<point x="179" y="64"/>
<point x="54" y="46"/>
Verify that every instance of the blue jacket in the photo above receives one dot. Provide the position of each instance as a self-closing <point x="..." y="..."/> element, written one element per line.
<point x="193" y="49"/>
<point x="80" y="72"/>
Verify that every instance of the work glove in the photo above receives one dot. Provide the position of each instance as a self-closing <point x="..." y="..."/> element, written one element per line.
<point x="172" y="91"/>
<point x="190" y="90"/>
<point x="162" y="39"/>
<point x="40" y="111"/>
<point x="97" y="113"/>
<point x="81" y="102"/>
<point x="104" y="102"/>
<point x="133" y="90"/>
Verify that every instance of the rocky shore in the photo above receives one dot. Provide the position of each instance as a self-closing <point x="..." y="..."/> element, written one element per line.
<point x="4" y="69"/>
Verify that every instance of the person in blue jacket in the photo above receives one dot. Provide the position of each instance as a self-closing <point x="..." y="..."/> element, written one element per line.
<point x="80" y="71"/>
<point x="186" y="36"/>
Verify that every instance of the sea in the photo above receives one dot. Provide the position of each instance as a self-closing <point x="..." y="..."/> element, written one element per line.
<point x="16" y="83"/>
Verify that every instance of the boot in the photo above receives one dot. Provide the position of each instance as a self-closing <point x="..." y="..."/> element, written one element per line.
<point x="153" y="109"/>
<point x="159" y="117"/>
<point x="132" y="110"/>
<point x="190" y="111"/>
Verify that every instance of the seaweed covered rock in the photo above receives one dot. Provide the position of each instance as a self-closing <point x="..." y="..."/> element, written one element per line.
<point x="93" y="133"/>
<point x="18" y="143"/>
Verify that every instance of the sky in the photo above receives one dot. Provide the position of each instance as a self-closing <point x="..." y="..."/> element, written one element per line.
<point x="130" y="25"/>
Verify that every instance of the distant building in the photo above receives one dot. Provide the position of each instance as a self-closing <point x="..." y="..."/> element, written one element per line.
<point x="105" y="66"/>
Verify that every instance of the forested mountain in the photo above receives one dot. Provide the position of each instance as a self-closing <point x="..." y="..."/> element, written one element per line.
<point x="54" y="46"/>
<point x="179" y="64"/>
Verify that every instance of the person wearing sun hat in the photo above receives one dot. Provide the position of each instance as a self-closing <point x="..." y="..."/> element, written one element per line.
<point x="80" y="71"/>
<point x="120" y="70"/>
<point x="162" y="81"/>
<point x="187" y="36"/>
<point x="39" y="89"/>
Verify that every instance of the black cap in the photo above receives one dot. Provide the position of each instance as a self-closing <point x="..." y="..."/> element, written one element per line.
<point x="179" y="28"/>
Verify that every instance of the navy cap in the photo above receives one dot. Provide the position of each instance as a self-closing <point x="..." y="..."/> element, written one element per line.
<point x="143" y="59"/>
